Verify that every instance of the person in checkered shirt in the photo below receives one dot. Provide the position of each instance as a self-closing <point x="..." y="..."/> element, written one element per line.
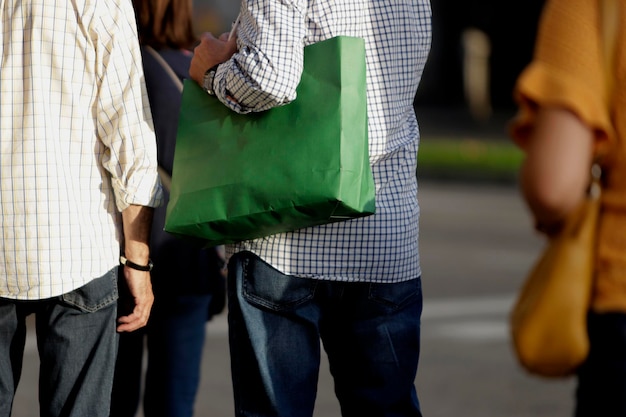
<point x="354" y="285"/>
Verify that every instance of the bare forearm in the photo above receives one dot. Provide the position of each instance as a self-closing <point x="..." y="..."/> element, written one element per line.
<point x="137" y="224"/>
<point x="556" y="170"/>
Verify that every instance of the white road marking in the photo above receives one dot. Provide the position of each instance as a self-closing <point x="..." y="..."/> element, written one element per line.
<point x="477" y="319"/>
<point x="466" y="306"/>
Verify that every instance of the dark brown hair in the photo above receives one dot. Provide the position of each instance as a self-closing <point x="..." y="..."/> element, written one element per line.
<point x="165" y="23"/>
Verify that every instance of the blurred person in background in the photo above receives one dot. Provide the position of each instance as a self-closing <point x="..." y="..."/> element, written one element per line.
<point x="188" y="281"/>
<point x="354" y="284"/>
<point x="563" y="126"/>
<point x="78" y="181"/>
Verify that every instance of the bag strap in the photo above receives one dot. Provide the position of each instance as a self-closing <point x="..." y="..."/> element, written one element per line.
<point x="166" y="178"/>
<point x="609" y="24"/>
<point x="168" y="69"/>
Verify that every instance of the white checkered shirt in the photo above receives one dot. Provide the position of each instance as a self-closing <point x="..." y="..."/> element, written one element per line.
<point x="265" y="73"/>
<point x="77" y="143"/>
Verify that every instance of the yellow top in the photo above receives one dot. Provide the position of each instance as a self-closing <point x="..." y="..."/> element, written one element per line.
<point x="567" y="71"/>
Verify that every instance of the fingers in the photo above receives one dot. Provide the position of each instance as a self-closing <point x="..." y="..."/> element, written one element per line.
<point x="134" y="321"/>
<point x="201" y="60"/>
<point x="225" y="37"/>
<point x="140" y="288"/>
<point x="209" y="52"/>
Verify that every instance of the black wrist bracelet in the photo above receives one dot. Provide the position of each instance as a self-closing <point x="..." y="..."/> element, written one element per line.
<point x="126" y="262"/>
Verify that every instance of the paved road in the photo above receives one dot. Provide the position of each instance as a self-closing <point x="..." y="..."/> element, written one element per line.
<point x="477" y="244"/>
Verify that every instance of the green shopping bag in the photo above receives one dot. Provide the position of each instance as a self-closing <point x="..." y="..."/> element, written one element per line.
<point x="239" y="177"/>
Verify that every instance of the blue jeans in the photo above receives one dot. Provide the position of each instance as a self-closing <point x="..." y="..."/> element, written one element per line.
<point x="175" y="339"/>
<point x="77" y="343"/>
<point x="370" y="332"/>
<point x="601" y="387"/>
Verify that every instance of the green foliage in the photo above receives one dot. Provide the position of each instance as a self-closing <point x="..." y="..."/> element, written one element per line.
<point x="469" y="159"/>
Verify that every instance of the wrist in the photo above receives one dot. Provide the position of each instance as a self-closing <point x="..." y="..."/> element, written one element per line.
<point x="126" y="262"/>
<point x="208" y="80"/>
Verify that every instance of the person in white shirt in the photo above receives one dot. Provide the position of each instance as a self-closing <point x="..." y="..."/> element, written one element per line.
<point x="78" y="183"/>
